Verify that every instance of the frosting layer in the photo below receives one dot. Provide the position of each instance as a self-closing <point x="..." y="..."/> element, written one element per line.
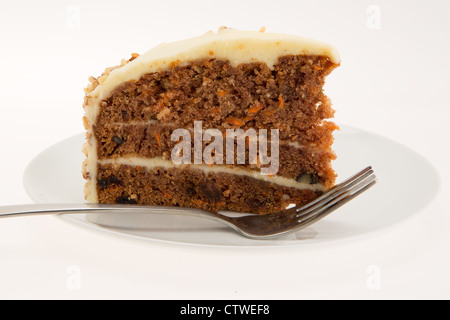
<point x="150" y="163"/>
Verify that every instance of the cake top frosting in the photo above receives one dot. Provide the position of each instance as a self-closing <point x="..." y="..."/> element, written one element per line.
<point x="236" y="46"/>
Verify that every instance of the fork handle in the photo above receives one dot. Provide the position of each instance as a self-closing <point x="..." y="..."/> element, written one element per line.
<point x="63" y="208"/>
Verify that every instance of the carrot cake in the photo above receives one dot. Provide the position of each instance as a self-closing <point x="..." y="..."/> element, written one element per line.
<point x="230" y="120"/>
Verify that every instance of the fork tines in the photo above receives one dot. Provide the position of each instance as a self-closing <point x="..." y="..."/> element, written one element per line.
<point x="337" y="196"/>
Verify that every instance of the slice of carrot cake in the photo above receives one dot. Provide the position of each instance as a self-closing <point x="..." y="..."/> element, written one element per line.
<point x="230" y="120"/>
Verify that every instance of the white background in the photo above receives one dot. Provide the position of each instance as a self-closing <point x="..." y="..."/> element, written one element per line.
<point x="393" y="81"/>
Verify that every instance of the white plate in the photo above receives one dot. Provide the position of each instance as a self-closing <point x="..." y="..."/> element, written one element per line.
<point x="406" y="184"/>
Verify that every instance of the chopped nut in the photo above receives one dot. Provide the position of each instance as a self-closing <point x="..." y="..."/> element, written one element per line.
<point x="90" y="87"/>
<point x="133" y="196"/>
<point x="102" y="79"/>
<point x="163" y="113"/>
<point x="117" y="140"/>
<point x="134" y="56"/>
<point x="85" y="123"/>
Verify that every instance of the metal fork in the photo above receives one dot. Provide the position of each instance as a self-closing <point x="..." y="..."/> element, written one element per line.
<point x="252" y="226"/>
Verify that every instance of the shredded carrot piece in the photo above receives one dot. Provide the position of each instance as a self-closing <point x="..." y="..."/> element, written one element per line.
<point x="167" y="195"/>
<point x="220" y="204"/>
<point x="138" y="168"/>
<point x="235" y="121"/>
<point x="270" y="112"/>
<point x="198" y="202"/>
<point x="157" y="139"/>
<point x="280" y="99"/>
<point x="255" y="109"/>
<point x="210" y="162"/>
<point x="221" y="93"/>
